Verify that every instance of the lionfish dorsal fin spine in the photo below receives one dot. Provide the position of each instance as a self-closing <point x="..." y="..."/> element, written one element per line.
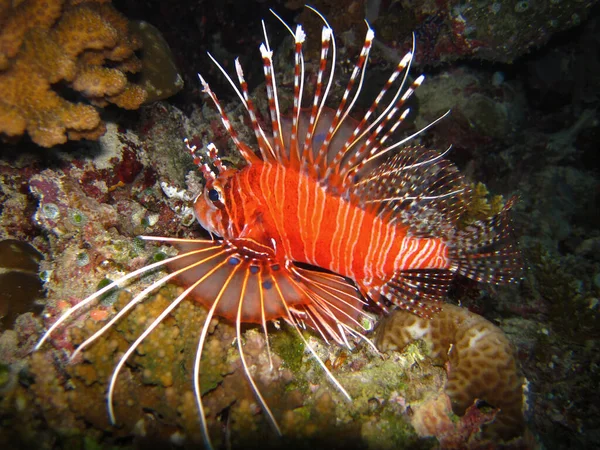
<point x="382" y="151"/>
<point x="264" y="144"/>
<point x="359" y="68"/>
<point x="419" y="189"/>
<point x="243" y="148"/>
<point x="209" y="175"/>
<point x="327" y="41"/>
<point x="265" y="148"/>
<point x="360" y="131"/>
<point x="267" y="57"/>
<point x="299" y="37"/>
<point x="371" y="148"/>
<point x="402" y="66"/>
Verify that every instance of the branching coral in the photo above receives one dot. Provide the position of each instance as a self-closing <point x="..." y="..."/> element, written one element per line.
<point x="480" y="206"/>
<point x="84" y="45"/>
<point x="478" y="357"/>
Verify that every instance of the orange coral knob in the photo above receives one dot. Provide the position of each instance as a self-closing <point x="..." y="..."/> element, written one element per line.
<point x="86" y="44"/>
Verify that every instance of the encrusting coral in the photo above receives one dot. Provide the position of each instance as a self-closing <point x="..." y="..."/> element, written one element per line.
<point x="479" y="360"/>
<point x="85" y="45"/>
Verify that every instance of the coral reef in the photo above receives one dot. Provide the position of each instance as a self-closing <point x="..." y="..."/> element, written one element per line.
<point x="479" y="358"/>
<point x="154" y="402"/>
<point x="447" y="30"/>
<point x="535" y="133"/>
<point x="434" y="417"/>
<point x="90" y="210"/>
<point x="489" y="30"/>
<point x="85" y="46"/>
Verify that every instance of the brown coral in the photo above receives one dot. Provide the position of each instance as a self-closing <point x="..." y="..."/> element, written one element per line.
<point x="478" y="356"/>
<point x="45" y="42"/>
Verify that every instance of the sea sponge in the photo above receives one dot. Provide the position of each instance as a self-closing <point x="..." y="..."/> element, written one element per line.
<point x="47" y="45"/>
<point x="478" y="356"/>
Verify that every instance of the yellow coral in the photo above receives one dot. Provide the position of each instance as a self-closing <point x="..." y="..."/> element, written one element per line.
<point x="480" y="207"/>
<point x="479" y="357"/>
<point x="44" y="42"/>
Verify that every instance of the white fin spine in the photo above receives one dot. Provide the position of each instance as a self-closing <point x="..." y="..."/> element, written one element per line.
<point x="264" y="146"/>
<point x="359" y="68"/>
<point x="361" y="130"/>
<point x="243" y="148"/>
<point x="307" y="153"/>
<point x="267" y="57"/>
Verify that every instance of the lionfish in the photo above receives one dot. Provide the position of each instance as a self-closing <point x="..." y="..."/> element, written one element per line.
<point x="325" y="219"/>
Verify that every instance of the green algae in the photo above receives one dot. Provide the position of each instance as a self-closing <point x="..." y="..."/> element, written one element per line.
<point x="159" y="256"/>
<point x="139" y="245"/>
<point x="391" y="431"/>
<point x="288" y="345"/>
<point x="4" y="375"/>
<point x="481" y="206"/>
<point x="76" y="217"/>
<point x="108" y="298"/>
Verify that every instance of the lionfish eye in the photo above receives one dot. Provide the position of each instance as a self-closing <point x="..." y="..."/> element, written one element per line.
<point x="214" y="195"/>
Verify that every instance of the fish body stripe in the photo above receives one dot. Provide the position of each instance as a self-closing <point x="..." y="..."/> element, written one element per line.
<point x="318" y="214"/>
<point x="302" y="207"/>
<point x="338" y="220"/>
<point x="310" y="225"/>
<point x="336" y="257"/>
<point x="352" y="240"/>
<point x="421" y="252"/>
<point x="373" y="239"/>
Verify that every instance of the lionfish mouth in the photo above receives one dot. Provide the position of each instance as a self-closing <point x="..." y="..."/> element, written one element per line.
<point x="263" y="289"/>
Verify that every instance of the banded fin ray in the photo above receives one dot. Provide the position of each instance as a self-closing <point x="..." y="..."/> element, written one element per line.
<point x="487" y="251"/>
<point x="259" y="297"/>
<point x="417" y="188"/>
<point x="419" y="291"/>
<point x="336" y="299"/>
<point x="334" y="144"/>
<point x="202" y="246"/>
<point x="335" y="302"/>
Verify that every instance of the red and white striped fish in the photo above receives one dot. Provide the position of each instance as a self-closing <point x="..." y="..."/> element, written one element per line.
<point x="322" y="191"/>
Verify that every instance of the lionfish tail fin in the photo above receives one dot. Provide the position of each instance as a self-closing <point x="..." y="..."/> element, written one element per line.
<point x="487" y="250"/>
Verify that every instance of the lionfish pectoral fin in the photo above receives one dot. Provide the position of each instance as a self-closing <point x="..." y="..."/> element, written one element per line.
<point x="487" y="250"/>
<point x="420" y="291"/>
<point x="242" y="281"/>
<point x="255" y="268"/>
<point x="336" y="310"/>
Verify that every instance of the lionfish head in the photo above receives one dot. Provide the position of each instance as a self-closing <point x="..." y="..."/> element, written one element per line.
<point x="210" y="206"/>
